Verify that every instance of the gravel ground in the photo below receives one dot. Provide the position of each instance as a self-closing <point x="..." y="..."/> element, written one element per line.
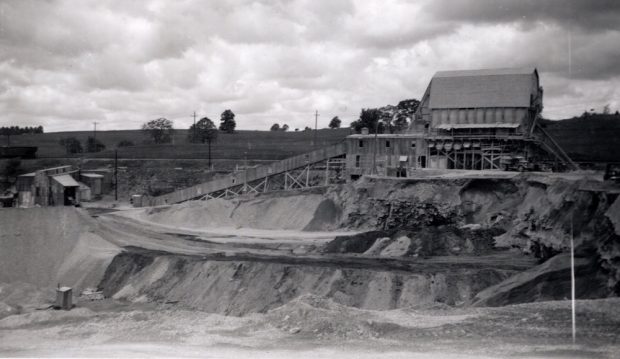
<point x="313" y="327"/>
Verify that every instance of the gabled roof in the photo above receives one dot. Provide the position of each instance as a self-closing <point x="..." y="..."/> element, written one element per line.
<point x="66" y="181"/>
<point x="483" y="88"/>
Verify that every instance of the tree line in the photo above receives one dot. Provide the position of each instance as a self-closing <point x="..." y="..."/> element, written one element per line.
<point x="389" y="118"/>
<point x="381" y="120"/>
<point x="9" y="131"/>
<point x="160" y="131"/>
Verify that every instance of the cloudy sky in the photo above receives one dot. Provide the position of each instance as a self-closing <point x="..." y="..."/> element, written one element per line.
<point x="67" y="63"/>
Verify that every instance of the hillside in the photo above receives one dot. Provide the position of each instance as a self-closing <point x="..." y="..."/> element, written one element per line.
<point x="586" y="139"/>
<point x="265" y="145"/>
<point x="594" y="138"/>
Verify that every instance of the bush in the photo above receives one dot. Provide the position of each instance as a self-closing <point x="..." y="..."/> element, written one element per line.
<point x="125" y="143"/>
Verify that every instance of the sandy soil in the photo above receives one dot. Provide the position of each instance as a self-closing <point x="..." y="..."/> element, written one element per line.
<point x="312" y="327"/>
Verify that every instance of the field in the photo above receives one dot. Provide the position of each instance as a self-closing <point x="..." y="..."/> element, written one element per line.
<point x="590" y="139"/>
<point x="265" y="145"/>
<point x="593" y="138"/>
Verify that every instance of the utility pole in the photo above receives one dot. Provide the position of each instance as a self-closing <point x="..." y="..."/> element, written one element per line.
<point x="374" y="150"/>
<point x="116" y="175"/>
<point x="316" y="120"/>
<point x="194" y="135"/>
<point x="95" y="132"/>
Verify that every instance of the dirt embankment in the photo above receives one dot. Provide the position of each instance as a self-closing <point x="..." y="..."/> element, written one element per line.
<point x="240" y="287"/>
<point x="532" y="213"/>
<point x="306" y="211"/>
<point x="48" y="246"/>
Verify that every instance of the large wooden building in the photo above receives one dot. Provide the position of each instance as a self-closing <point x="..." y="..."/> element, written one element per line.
<point x="474" y="120"/>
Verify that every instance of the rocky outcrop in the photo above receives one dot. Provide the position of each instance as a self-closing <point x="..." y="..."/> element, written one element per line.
<point x="241" y="287"/>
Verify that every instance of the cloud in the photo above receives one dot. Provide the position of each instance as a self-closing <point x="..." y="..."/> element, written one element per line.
<point x="64" y="64"/>
<point x="592" y="15"/>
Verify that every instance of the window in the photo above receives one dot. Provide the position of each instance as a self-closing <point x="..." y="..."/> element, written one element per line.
<point x="412" y="144"/>
<point x="361" y="143"/>
<point x="387" y="143"/>
<point x="357" y="161"/>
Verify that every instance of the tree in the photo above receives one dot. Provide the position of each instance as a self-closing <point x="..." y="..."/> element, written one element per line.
<point x="125" y="143"/>
<point x="335" y="123"/>
<point x="160" y="130"/>
<point x="16" y="130"/>
<point x="284" y="128"/>
<point x="94" y="145"/>
<point x="307" y="128"/>
<point x="401" y="123"/>
<point x="71" y="144"/>
<point x="275" y="127"/>
<point x="411" y="105"/>
<point x="204" y="131"/>
<point x="11" y="168"/>
<point x="369" y="118"/>
<point x="227" y="122"/>
<point x="6" y="131"/>
<point x="606" y="110"/>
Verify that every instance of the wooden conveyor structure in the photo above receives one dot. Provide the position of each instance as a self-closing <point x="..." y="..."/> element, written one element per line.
<point x="316" y="168"/>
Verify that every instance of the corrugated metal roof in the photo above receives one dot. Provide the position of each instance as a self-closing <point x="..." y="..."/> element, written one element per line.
<point x="482" y="88"/>
<point x="486" y="72"/>
<point x="66" y="181"/>
<point x="449" y="126"/>
<point x="388" y="135"/>
<point x="91" y="175"/>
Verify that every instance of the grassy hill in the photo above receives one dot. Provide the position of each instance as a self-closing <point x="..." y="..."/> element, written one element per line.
<point x="265" y="145"/>
<point x="595" y="138"/>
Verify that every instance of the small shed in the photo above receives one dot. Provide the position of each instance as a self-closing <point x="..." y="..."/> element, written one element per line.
<point x="94" y="181"/>
<point x="85" y="193"/>
<point x="137" y="200"/>
<point x="25" y="190"/>
<point x="65" y="190"/>
<point x="64" y="298"/>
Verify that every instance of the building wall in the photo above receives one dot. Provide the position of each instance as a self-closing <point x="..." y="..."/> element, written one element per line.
<point x="472" y="116"/>
<point x="361" y="154"/>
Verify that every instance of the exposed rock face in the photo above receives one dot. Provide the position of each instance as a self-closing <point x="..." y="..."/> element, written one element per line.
<point x="533" y="213"/>
<point x="241" y="287"/>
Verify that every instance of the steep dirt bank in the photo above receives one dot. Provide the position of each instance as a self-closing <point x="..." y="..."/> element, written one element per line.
<point x="240" y="287"/>
<point x="309" y="210"/>
<point x="530" y="212"/>
<point x="47" y="246"/>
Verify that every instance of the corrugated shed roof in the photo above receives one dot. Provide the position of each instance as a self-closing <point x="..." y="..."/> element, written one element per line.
<point x="482" y="88"/>
<point x="91" y="175"/>
<point x="449" y="126"/>
<point x="66" y="181"/>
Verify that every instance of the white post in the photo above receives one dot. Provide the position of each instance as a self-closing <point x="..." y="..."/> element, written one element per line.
<point x="572" y="278"/>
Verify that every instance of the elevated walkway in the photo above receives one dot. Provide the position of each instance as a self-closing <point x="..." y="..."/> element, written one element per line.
<point x="302" y="171"/>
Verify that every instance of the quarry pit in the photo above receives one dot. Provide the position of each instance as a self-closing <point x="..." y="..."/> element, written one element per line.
<point x="459" y="265"/>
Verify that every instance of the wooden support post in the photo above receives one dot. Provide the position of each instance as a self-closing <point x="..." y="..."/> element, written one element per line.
<point x="327" y="173"/>
<point x="285" y="181"/>
<point x="307" y="176"/>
